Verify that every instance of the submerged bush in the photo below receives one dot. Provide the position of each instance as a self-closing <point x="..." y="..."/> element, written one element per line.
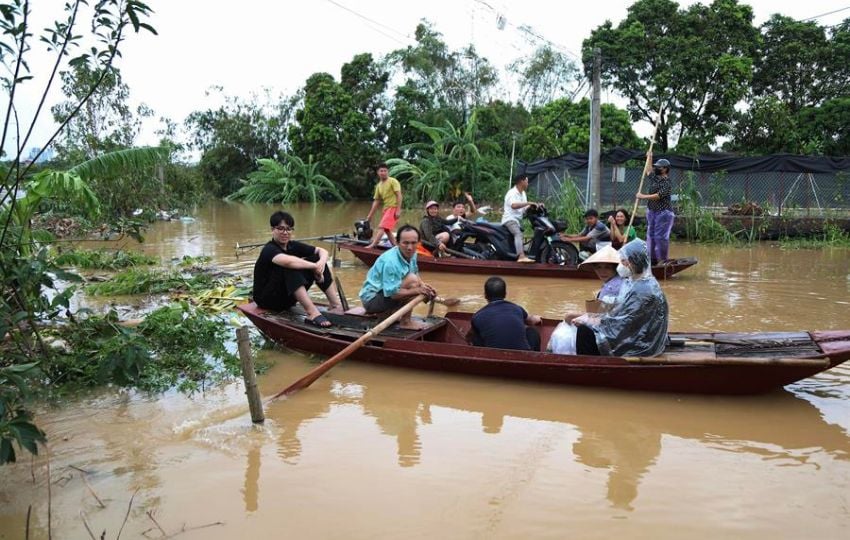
<point x="141" y="281"/>
<point x="176" y="345"/>
<point x="103" y="259"/>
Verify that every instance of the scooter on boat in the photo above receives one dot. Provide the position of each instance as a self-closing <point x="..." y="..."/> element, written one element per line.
<point x="492" y="241"/>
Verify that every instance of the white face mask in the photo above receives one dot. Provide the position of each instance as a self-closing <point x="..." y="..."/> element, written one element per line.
<point x="623" y="270"/>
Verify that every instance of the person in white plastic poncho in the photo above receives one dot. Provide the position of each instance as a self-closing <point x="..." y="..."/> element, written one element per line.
<point x="635" y="326"/>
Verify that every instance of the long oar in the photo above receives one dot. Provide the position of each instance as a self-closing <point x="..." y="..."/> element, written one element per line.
<point x="449" y="251"/>
<point x="646" y="167"/>
<point x="325" y="366"/>
<point x="260" y="244"/>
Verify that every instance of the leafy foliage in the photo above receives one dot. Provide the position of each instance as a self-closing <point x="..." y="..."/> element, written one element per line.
<point x="545" y="75"/>
<point x="695" y="63"/>
<point x="143" y="281"/>
<point x="176" y="345"/>
<point x="290" y="181"/>
<point x="103" y="259"/>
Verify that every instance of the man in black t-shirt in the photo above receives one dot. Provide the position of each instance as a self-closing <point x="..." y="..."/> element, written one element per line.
<point x="502" y="324"/>
<point x="285" y="270"/>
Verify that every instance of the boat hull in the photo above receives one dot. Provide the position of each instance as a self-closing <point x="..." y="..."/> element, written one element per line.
<point x="509" y="268"/>
<point x="443" y="349"/>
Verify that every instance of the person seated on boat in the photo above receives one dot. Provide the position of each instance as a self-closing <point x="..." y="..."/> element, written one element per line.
<point x="434" y="229"/>
<point x="394" y="279"/>
<point x="502" y="324"/>
<point x="618" y="223"/>
<point x="604" y="264"/>
<point x="286" y="269"/>
<point x="459" y="214"/>
<point x="516" y="204"/>
<point x="637" y="325"/>
<point x="594" y="232"/>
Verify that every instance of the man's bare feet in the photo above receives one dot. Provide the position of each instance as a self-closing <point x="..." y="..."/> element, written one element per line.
<point x="413" y="325"/>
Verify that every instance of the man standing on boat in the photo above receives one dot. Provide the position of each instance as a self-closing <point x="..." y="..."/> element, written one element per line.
<point x="516" y="204"/>
<point x="659" y="211"/>
<point x="502" y="324"/>
<point x="285" y="270"/>
<point x="387" y="192"/>
<point x="394" y="279"/>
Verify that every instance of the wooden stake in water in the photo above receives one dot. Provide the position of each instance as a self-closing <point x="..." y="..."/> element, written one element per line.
<point x="255" y="404"/>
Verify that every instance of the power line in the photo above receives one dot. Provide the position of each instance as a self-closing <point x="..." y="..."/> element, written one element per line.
<point x="528" y="30"/>
<point x="373" y="23"/>
<point x="825" y="14"/>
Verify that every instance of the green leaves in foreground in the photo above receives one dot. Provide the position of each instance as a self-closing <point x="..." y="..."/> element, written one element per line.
<point x="15" y="421"/>
<point x="103" y="259"/>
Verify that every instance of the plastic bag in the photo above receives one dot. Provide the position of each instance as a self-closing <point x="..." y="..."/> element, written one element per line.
<point x="563" y="340"/>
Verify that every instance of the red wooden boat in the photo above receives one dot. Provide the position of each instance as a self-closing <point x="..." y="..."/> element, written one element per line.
<point x="710" y="363"/>
<point x="508" y="268"/>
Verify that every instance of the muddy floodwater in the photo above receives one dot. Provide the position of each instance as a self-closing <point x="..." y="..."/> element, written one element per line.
<point x="377" y="452"/>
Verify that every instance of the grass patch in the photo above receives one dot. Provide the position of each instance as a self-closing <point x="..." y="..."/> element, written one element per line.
<point x="103" y="259"/>
<point x="143" y="281"/>
<point x="832" y="236"/>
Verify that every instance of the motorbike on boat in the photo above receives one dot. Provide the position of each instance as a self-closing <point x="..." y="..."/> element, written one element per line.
<point x="492" y="241"/>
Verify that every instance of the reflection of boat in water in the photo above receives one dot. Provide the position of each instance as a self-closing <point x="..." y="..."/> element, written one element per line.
<point x="710" y="363"/>
<point x="509" y="268"/>
<point x="618" y="432"/>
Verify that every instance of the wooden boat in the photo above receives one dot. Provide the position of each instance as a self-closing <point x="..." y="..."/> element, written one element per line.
<point x="508" y="268"/>
<point x="710" y="363"/>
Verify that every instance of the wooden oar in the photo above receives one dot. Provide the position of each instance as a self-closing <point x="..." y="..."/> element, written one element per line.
<point x="325" y="366"/>
<point x="646" y="167"/>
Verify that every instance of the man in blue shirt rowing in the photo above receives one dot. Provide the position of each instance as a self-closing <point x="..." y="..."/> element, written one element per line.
<point x="394" y="279"/>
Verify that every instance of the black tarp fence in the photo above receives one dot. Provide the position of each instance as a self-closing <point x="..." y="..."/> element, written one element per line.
<point x="779" y="183"/>
<point x="715" y="162"/>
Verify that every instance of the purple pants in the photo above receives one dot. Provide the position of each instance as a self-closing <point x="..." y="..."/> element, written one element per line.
<point x="658" y="227"/>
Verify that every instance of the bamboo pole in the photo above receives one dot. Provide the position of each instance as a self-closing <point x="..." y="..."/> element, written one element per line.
<point x="646" y="167"/>
<point x="255" y="403"/>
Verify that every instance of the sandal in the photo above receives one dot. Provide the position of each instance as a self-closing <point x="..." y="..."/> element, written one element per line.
<point x="319" y="321"/>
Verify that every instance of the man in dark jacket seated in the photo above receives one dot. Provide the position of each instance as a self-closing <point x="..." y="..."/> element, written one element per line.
<point x="502" y="324"/>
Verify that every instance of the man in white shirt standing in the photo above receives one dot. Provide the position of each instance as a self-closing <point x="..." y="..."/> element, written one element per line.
<point x="516" y="203"/>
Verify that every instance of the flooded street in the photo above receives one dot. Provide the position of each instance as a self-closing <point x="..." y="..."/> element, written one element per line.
<point x="377" y="452"/>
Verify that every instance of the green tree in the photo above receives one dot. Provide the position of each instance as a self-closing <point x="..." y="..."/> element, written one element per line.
<point x="329" y="125"/>
<point x="503" y="123"/>
<point x="545" y="75"/>
<point x="564" y="126"/>
<point x="440" y="85"/>
<point x="104" y="124"/>
<point x="28" y="295"/>
<point x="234" y="136"/>
<point x="695" y="63"/>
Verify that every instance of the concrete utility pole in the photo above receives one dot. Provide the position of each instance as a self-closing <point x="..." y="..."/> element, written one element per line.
<point x="594" y="161"/>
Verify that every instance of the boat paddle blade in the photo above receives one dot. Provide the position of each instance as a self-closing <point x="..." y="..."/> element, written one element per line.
<point x="326" y="366"/>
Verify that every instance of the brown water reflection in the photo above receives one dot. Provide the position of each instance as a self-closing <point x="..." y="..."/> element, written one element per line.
<point x="374" y="452"/>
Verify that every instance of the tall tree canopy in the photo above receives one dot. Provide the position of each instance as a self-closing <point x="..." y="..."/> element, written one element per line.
<point x="696" y="63"/>
<point x="544" y="75"/>
<point x="564" y="126"/>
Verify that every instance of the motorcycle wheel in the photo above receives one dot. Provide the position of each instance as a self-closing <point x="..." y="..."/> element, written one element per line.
<point x="560" y="253"/>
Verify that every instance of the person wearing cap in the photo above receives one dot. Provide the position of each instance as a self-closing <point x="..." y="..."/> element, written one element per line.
<point x="516" y="204"/>
<point x="659" y="211"/>
<point x="434" y="229"/>
<point x="594" y="231"/>
<point x="637" y="325"/>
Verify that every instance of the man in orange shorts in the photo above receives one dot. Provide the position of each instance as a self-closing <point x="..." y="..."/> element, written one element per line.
<point x="388" y="192"/>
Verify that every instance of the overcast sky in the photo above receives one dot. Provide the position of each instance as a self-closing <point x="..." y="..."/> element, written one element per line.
<point x="251" y="44"/>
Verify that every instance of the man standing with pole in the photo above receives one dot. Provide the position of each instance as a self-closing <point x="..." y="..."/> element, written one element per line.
<point x="659" y="211"/>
